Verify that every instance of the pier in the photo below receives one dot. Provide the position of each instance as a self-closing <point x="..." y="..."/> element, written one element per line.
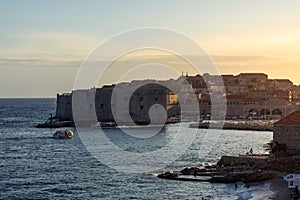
<point x="233" y="125"/>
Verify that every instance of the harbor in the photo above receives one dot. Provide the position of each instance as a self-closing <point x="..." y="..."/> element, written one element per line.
<point x="254" y="125"/>
<point x="61" y="154"/>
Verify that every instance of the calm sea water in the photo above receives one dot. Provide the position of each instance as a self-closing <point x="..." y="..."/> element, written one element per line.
<point x="33" y="165"/>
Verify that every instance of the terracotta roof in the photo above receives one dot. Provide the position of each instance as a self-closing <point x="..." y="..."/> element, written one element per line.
<point x="292" y="119"/>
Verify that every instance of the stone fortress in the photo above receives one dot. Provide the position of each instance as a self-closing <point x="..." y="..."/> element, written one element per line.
<point x="248" y="96"/>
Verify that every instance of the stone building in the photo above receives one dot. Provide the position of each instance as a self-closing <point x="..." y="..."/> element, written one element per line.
<point x="283" y="84"/>
<point x="234" y="105"/>
<point x="249" y="95"/>
<point x="296" y="93"/>
<point x="64" y="107"/>
<point x="129" y="102"/>
<point x="287" y="131"/>
<point x="83" y="105"/>
<point x="237" y="89"/>
<point x="196" y="81"/>
<point x="103" y="103"/>
<point x="137" y="105"/>
<point x="252" y="78"/>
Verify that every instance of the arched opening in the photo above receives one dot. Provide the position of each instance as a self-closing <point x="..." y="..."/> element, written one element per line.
<point x="253" y="113"/>
<point x="277" y="112"/>
<point x="265" y="113"/>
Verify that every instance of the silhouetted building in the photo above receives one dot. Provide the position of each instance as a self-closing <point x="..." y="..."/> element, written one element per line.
<point x="286" y="131"/>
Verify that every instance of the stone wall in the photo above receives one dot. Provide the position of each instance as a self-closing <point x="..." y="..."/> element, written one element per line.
<point x="288" y="135"/>
<point x="128" y="105"/>
<point x="242" y="160"/>
<point x="64" y="107"/>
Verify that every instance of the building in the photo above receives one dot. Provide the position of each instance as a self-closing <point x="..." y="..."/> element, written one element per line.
<point x="296" y="93"/>
<point x="196" y="81"/>
<point x="238" y="89"/>
<point x="293" y="181"/>
<point x="64" y="107"/>
<point x="248" y="95"/>
<point x="283" y="84"/>
<point x="125" y="105"/>
<point x="286" y="131"/>
<point x="234" y="105"/>
<point x="252" y="78"/>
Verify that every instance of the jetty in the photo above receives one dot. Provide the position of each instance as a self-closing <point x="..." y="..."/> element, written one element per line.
<point x="56" y="124"/>
<point x="233" y="125"/>
<point x="229" y="169"/>
<point x="221" y="176"/>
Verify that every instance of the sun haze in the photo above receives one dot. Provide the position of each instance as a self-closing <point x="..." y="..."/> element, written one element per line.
<point x="42" y="43"/>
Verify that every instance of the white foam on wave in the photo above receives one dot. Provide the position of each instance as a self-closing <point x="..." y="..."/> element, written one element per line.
<point x="262" y="194"/>
<point x="257" y="192"/>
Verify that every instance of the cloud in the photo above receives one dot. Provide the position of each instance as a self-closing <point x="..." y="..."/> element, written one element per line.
<point x="46" y="48"/>
<point x="60" y="41"/>
<point x="37" y="62"/>
<point x="243" y="58"/>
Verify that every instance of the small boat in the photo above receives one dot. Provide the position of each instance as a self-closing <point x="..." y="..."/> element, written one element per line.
<point x="173" y="120"/>
<point x="63" y="134"/>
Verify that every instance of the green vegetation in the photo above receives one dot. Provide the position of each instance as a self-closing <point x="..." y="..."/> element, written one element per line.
<point x="273" y="147"/>
<point x="250" y="86"/>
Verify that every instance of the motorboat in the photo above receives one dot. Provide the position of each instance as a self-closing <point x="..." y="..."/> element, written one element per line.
<point x="63" y="134"/>
<point x="173" y="120"/>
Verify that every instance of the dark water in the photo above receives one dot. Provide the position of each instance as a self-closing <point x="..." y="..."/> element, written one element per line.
<point x="33" y="165"/>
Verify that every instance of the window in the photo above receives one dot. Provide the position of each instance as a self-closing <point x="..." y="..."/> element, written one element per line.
<point x="141" y="98"/>
<point x="156" y="99"/>
<point x="101" y="106"/>
<point x="141" y="107"/>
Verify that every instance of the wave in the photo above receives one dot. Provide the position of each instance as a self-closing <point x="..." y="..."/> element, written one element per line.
<point x="14" y="119"/>
<point x="254" y="192"/>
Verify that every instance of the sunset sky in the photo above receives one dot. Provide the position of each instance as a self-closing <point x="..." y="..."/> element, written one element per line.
<point x="42" y="43"/>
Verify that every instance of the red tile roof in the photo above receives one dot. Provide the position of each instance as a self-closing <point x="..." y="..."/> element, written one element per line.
<point x="292" y="119"/>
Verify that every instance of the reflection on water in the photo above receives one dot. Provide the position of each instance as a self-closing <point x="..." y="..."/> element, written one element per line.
<point x="34" y="165"/>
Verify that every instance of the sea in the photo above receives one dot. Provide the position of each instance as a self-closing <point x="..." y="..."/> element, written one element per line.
<point x="34" y="165"/>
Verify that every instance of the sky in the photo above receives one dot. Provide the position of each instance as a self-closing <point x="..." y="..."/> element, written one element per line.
<point x="43" y="43"/>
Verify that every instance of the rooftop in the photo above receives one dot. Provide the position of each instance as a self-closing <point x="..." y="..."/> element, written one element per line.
<point x="253" y="74"/>
<point x="292" y="119"/>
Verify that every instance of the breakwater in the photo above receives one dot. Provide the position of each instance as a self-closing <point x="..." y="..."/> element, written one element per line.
<point x="246" y="160"/>
<point x="230" y="169"/>
<point x="236" y="125"/>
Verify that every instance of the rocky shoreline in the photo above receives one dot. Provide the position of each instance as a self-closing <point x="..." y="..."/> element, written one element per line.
<point x="220" y="175"/>
<point x="232" y="169"/>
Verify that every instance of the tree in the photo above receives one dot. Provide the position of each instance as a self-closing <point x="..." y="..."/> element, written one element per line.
<point x="250" y="86"/>
<point x="268" y="146"/>
<point x="273" y="147"/>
